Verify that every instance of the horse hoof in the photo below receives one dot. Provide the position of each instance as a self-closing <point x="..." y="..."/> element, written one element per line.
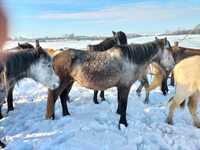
<point x="197" y="124"/>
<point x="165" y="93"/>
<point x="66" y="114"/>
<point x="10" y="109"/>
<point x="169" y="121"/>
<point x="103" y="99"/>
<point x="96" y="102"/>
<point x="2" y="145"/>
<point x="146" y="102"/>
<point x="122" y="125"/>
<point x="52" y="117"/>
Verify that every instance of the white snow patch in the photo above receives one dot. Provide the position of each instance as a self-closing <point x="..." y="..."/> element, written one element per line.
<point x="95" y="127"/>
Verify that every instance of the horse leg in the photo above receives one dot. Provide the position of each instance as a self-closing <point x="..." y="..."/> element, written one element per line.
<point x="69" y="89"/>
<point x="175" y="102"/>
<point x="64" y="100"/>
<point x="192" y="105"/>
<point x="102" y="96"/>
<point x="10" y="99"/>
<point x="52" y="97"/>
<point x="146" y="86"/>
<point x="1" y="116"/>
<point x="64" y="96"/>
<point x="139" y="89"/>
<point x="164" y="87"/>
<point x="172" y="79"/>
<point x="95" y="97"/>
<point x="2" y="145"/>
<point x="123" y="99"/>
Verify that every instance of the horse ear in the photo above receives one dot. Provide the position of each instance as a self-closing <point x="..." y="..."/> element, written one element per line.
<point x="19" y="44"/>
<point x="156" y="38"/>
<point x="165" y="39"/>
<point x="37" y="43"/>
<point x="114" y="33"/>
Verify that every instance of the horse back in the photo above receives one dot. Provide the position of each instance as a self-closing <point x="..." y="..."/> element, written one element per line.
<point x="186" y="73"/>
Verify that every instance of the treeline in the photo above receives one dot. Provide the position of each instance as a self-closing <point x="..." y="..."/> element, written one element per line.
<point x="71" y="37"/>
<point x="195" y="30"/>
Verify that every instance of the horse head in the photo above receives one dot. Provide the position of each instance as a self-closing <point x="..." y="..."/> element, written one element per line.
<point x="120" y="38"/>
<point x="165" y="56"/>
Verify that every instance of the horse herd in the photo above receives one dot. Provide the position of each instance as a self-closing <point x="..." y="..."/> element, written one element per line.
<point x="111" y="63"/>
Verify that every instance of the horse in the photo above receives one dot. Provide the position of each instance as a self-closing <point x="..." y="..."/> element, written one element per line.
<point x="119" y="38"/>
<point x="161" y="75"/>
<point x="32" y="63"/>
<point x="186" y="77"/>
<point x="118" y="67"/>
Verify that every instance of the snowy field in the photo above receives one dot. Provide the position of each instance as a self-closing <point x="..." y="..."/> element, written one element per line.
<point x="94" y="127"/>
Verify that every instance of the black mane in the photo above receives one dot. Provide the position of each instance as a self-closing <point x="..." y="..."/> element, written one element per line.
<point x="18" y="63"/>
<point x="122" y="38"/>
<point x="139" y="53"/>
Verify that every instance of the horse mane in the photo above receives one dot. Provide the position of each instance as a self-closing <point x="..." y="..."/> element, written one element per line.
<point x="122" y="38"/>
<point x="139" y="53"/>
<point x="17" y="63"/>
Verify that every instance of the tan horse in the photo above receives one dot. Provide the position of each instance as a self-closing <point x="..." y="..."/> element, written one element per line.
<point x="159" y="75"/>
<point x="186" y="77"/>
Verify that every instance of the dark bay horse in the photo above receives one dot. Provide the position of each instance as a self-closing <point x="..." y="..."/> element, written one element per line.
<point x="180" y="53"/>
<point x="27" y="63"/>
<point x="118" y="67"/>
<point x="119" y="38"/>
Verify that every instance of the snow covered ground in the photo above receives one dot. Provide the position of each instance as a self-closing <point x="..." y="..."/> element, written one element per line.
<point x="94" y="127"/>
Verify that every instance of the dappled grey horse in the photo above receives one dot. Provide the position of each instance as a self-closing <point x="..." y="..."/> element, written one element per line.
<point x="118" y="67"/>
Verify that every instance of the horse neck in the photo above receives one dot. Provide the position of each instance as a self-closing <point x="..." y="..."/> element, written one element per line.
<point x="18" y="64"/>
<point x="104" y="45"/>
<point x="142" y="53"/>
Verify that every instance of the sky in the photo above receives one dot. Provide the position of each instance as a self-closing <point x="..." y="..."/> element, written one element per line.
<point x="40" y="18"/>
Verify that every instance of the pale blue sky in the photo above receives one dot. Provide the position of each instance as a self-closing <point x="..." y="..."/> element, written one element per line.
<point x="38" y="18"/>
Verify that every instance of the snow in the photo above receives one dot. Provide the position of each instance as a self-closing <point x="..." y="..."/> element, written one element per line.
<point x="94" y="127"/>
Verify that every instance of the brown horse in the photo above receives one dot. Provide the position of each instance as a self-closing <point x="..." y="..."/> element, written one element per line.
<point x="118" y="67"/>
<point x="119" y="38"/>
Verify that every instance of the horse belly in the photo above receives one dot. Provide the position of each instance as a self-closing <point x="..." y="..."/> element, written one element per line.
<point x="98" y="77"/>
